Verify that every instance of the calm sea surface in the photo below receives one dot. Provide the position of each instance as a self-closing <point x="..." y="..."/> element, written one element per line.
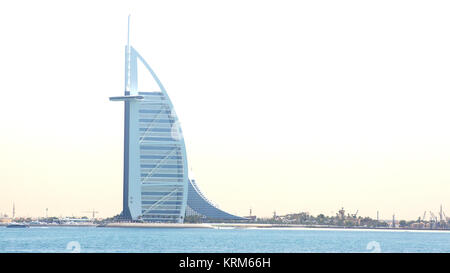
<point x="92" y="239"/>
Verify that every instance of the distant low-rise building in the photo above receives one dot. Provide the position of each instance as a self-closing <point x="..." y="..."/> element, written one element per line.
<point x="418" y="225"/>
<point x="5" y="219"/>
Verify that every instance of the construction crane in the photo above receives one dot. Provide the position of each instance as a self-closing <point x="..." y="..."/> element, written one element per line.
<point x="433" y="220"/>
<point x="92" y="211"/>
<point x="424" y="214"/>
<point x="356" y="213"/>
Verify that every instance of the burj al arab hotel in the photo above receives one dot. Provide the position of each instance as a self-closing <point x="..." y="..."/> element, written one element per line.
<point x="156" y="184"/>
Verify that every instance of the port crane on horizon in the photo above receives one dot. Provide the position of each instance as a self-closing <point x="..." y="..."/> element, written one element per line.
<point x="92" y="211"/>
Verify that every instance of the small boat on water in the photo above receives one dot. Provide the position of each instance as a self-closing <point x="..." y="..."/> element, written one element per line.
<point x="17" y="225"/>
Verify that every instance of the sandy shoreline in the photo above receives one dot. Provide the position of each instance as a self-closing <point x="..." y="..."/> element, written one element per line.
<point x="156" y="225"/>
<point x="229" y="226"/>
<point x="253" y="226"/>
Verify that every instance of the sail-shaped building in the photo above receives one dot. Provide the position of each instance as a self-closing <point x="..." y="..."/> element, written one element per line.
<point x="156" y="184"/>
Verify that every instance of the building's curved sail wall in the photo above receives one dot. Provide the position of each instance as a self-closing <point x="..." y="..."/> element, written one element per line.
<point x="155" y="163"/>
<point x="163" y="164"/>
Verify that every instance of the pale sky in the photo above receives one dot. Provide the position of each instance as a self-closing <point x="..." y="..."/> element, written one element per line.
<point x="285" y="106"/>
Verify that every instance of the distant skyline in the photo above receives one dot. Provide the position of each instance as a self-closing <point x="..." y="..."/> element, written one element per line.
<point x="285" y="106"/>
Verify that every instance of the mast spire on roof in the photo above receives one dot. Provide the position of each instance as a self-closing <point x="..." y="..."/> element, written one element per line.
<point x="128" y="86"/>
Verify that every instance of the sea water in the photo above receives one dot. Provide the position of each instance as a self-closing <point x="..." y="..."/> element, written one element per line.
<point x="112" y="240"/>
